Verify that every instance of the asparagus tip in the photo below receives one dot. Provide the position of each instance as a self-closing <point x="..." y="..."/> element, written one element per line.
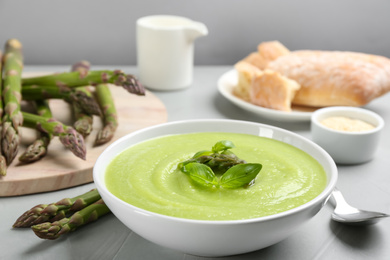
<point x="29" y="217"/>
<point x="10" y="142"/>
<point x="82" y="67"/>
<point x="105" y="134"/>
<point x="83" y="126"/>
<point x="134" y="86"/>
<point x="14" y="43"/>
<point x="74" y="141"/>
<point x="130" y="83"/>
<point x="86" y="102"/>
<point x="34" y="152"/>
<point x="48" y="230"/>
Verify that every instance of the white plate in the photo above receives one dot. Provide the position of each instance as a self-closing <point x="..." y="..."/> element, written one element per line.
<point x="228" y="81"/>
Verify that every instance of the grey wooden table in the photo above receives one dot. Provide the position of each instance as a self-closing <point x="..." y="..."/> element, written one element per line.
<point x="365" y="186"/>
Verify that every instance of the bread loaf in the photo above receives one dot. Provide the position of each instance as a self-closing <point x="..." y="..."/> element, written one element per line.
<point x="325" y="78"/>
<point x="330" y="78"/>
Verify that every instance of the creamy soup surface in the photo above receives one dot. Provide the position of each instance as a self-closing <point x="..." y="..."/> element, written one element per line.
<point x="146" y="176"/>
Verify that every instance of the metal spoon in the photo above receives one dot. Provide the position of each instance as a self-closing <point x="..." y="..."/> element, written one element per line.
<point x="347" y="214"/>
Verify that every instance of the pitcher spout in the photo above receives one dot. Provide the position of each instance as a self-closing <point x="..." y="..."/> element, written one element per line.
<point x="196" y="30"/>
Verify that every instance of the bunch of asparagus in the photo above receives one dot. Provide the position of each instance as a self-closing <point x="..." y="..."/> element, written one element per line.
<point x="50" y="221"/>
<point x="85" y="90"/>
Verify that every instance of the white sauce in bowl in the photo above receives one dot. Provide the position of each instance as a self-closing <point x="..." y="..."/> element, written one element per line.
<point x="347" y="124"/>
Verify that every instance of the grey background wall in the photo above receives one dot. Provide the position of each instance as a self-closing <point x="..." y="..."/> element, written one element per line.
<point x="55" y="32"/>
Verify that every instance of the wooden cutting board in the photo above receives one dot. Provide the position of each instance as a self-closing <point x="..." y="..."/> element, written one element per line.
<point x="60" y="168"/>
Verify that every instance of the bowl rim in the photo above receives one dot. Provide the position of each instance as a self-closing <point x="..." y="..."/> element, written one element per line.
<point x="323" y="196"/>
<point x="328" y="110"/>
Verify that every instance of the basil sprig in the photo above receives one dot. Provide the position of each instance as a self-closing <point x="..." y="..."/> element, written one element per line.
<point x="240" y="175"/>
<point x="222" y="146"/>
<point x="235" y="173"/>
<point x="201" y="174"/>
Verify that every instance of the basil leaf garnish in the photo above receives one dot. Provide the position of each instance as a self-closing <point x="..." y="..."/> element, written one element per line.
<point x="204" y="165"/>
<point x="222" y="146"/>
<point x="240" y="175"/>
<point x="228" y="152"/>
<point x="201" y="174"/>
<point x="202" y="153"/>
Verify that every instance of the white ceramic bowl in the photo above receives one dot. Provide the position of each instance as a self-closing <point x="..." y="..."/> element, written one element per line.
<point x="213" y="238"/>
<point x="347" y="147"/>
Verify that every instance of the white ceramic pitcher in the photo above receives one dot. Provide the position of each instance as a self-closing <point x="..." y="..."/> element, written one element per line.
<point x="165" y="50"/>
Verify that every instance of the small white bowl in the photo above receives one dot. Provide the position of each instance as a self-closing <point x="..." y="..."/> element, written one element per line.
<point x="347" y="147"/>
<point x="213" y="238"/>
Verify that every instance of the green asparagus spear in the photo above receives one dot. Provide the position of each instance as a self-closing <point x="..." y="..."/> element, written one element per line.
<point x="56" y="211"/>
<point x="71" y="95"/>
<point x="77" y="79"/>
<point x="3" y="162"/>
<point x="82" y="67"/>
<point x="54" y="230"/>
<point x="110" y="121"/>
<point x="43" y="108"/>
<point x="69" y="137"/>
<point x="84" y="122"/>
<point x="12" y="118"/>
<point x="38" y="149"/>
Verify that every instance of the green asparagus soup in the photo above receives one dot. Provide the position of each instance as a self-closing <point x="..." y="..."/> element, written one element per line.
<point x="146" y="176"/>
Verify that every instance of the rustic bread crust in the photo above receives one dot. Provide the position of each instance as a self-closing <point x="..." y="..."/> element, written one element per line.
<point x="246" y="72"/>
<point x="271" y="50"/>
<point x="330" y="78"/>
<point x="253" y="64"/>
<point x="272" y="90"/>
<point x="266" y="52"/>
<point x="256" y="60"/>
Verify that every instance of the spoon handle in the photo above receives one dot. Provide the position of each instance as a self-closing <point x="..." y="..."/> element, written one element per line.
<point x="340" y="201"/>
